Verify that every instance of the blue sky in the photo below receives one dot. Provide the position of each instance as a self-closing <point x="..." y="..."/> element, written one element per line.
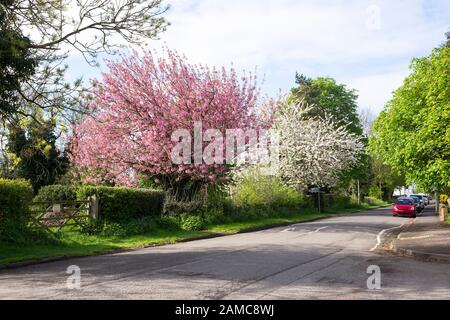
<point x="367" y="45"/>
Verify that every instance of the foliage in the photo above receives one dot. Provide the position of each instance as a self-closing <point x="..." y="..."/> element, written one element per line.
<point x="252" y="189"/>
<point x="383" y="179"/>
<point x="132" y="227"/>
<point x="375" y="192"/>
<point x="32" y="146"/>
<point x="412" y="134"/>
<point x="16" y="62"/>
<point x="173" y="205"/>
<point x="192" y="222"/>
<point x="142" y="102"/>
<point x="120" y="204"/>
<point x="326" y="98"/>
<point x="374" y="201"/>
<point x="148" y="183"/>
<point x="15" y="198"/>
<point x="57" y="192"/>
<point x="313" y="151"/>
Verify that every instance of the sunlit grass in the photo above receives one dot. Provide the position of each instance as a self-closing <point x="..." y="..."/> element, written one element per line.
<point x="76" y="244"/>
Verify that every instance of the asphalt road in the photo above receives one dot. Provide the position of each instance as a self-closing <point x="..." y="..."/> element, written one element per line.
<point x="326" y="259"/>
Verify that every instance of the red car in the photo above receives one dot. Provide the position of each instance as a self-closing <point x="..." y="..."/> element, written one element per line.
<point x="405" y="207"/>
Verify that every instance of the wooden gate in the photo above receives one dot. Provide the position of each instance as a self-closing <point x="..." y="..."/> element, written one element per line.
<point x="54" y="216"/>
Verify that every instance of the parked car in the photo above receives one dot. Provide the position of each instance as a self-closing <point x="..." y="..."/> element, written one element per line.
<point x="419" y="202"/>
<point x="405" y="207"/>
<point x="425" y="198"/>
<point x="421" y="198"/>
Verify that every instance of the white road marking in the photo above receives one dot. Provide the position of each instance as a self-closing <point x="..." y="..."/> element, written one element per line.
<point x="315" y="231"/>
<point x="320" y="229"/>
<point x="381" y="234"/>
<point x="412" y="238"/>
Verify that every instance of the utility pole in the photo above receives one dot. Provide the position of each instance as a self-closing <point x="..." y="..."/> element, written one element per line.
<point x="359" y="194"/>
<point x="436" y="196"/>
<point x="319" y="199"/>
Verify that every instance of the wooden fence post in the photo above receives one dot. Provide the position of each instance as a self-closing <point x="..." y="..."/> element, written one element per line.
<point x="93" y="206"/>
<point x="443" y="212"/>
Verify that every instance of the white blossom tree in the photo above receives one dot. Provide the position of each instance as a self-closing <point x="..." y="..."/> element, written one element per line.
<point x="313" y="151"/>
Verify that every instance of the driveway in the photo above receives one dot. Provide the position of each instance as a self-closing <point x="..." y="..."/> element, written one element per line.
<point x="325" y="259"/>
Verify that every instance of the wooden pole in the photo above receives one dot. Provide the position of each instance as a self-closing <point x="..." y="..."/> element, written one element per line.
<point x="359" y="194"/>
<point x="93" y="206"/>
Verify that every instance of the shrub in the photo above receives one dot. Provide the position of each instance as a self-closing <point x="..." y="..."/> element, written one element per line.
<point x="263" y="194"/>
<point x="169" y="222"/>
<point x="375" y="192"/>
<point x="119" y="204"/>
<point x="373" y="201"/>
<point x="174" y="206"/>
<point x="15" y="198"/>
<point x="192" y="222"/>
<point x="216" y="216"/>
<point x="57" y="192"/>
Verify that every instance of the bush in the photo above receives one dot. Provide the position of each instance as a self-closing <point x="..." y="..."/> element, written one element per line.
<point x="375" y="192"/>
<point x="169" y="222"/>
<point x="373" y="201"/>
<point x="57" y="192"/>
<point x="119" y="204"/>
<point x="192" y="222"/>
<point x="15" y="198"/>
<point x="261" y="195"/>
<point x="174" y="206"/>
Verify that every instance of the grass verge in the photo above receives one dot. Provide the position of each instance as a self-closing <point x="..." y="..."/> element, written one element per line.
<point x="74" y="244"/>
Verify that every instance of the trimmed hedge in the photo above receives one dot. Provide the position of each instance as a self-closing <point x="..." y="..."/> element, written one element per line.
<point x="116" y="204"/>
<point x="119" y="204"/>
<point x="57" y="192"/>
<point x="15" y="198"/>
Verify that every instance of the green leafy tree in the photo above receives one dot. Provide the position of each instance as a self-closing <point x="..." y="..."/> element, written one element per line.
<point x="412" y="133"/>
<point x="383" y="179"/>
<point x="33" y="148"/>
<point x="329" y="98"/>
<point x="16" y="62"/>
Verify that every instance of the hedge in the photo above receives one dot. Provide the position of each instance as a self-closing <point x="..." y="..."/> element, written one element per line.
<point x="57" y="192"/>
<point x="118" y="204"/>
<point x="15" y="198"/>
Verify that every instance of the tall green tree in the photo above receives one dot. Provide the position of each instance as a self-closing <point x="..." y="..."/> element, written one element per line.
<point x="32" y="146"/>
<point x="383" y="179"/>
<point x="17" y="63"/>
<point x="329" y="98"/>
<point x="412" y="133"/>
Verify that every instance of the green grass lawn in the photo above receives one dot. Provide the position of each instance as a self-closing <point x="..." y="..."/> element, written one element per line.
<point x="75" y="244"/>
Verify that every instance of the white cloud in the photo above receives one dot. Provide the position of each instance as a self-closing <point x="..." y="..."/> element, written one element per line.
<point x="317" y="38"/>
<point x="329" y="38"/>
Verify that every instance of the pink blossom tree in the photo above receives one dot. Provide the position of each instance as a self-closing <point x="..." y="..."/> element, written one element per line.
<point x="138" y="105"/>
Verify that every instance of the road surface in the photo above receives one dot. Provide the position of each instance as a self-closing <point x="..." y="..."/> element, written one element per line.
<point x="325" y="259"/>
